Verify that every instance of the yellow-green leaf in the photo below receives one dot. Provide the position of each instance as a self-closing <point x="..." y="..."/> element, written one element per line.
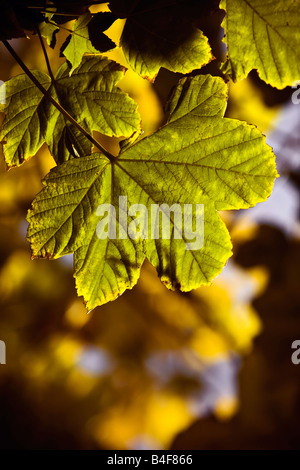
<point x="263" y="35"/>
<point x="90" y="96"/>
<point x="197" y="157"/>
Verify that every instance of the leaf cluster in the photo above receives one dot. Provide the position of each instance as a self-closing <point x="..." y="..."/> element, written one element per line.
<point x="197" y="157"/>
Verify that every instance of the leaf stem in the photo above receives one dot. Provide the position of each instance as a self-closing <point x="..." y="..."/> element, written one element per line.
<point x="45" y="54"/>
<point x="55" y="103"/>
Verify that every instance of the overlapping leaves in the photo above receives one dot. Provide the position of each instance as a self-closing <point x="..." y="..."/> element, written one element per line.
<point x="90" y="96"/>
<point x="198" y="157"/>
<point x="79" y="41"/>
<point x="157" y="33"/>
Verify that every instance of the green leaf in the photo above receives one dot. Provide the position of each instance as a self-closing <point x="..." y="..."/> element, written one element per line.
<point x="161" y="34"/>
<point x="90" y="96"/>
<point x="263" y="35"/>
<point x="49" y="30"/>
<point x="103" y="268"/>
<point x="198" y="157"/>
<point x="24" y="126"/>
<point x="78" y="42"/>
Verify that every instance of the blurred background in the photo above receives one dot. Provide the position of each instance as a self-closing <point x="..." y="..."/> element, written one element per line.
<point x="209" y="369"/>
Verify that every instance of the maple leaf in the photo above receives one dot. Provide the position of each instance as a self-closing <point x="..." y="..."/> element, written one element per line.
<point x="263" y="35"/>
<point x="90" y="96"/>
<point x="197" y="157"/>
